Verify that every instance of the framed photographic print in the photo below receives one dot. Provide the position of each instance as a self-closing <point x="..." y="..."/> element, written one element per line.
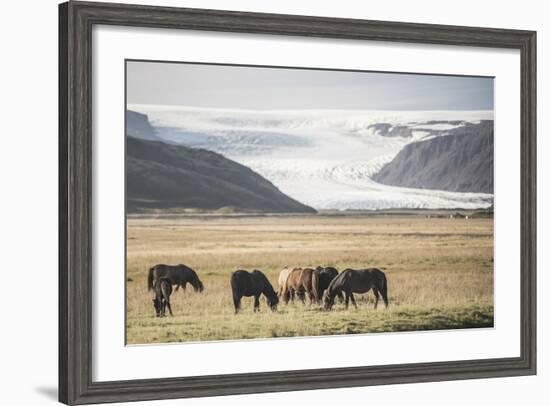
<point x="278" y="202"/>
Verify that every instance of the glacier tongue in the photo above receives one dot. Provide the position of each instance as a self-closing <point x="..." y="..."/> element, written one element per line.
<point x="321" y="158"/>
<point x="347" y="185"/>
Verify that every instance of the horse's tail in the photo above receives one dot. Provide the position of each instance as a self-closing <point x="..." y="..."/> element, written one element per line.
<point x="234" y="283"/>
<point x="384" y="289"/>
<point x="150" y="278"/>
<point x="315" y="286"/>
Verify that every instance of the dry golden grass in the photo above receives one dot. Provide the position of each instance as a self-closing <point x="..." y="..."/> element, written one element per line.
<point x="440" y="273"/>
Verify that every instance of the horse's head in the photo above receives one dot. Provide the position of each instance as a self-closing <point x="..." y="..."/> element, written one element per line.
<point x="328" y="300"/>
<point x="198" y="286"/>
<point x="272" y="301"/>
<point x="157" y="305"/>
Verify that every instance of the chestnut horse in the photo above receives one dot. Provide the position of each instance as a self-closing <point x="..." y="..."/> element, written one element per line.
<point x="301" y="282"/>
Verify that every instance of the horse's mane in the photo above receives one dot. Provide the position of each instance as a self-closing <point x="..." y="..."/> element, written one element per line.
<point x="268" y="285"/>
<point x="331" y="289"/>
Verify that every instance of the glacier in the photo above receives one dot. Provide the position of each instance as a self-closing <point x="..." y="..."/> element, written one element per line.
<point x="322" y="158"/>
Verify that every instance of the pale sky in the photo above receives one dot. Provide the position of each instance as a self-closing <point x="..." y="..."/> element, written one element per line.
<point x="238" y="87"/>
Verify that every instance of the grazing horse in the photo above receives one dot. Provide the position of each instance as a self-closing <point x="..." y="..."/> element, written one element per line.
<point x="283" y="275"/>
<point x="163" y="290"/>
<point x="352" y="281"/>
<point x="325" y="275"/>
<point x="180" y="275"/>
<point x="301" y="282"/>
<point x="253" y="283"/>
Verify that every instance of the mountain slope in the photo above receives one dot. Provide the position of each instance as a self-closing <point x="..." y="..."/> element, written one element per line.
<point x="162" y="176"/>
<point x="138" y="126"/>
<point x="459" y="162"/>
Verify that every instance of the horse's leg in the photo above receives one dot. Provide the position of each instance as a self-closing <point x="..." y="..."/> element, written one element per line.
<point x="312" y="299"/>
<point x="376" y="297"/>
<point x="169" y="307"/>
<point x="346" y="294"/>
<point x="285" y="295"/>
<point x="184" y="286"/>
<point x="353" y="300"/>
<point x="177" y="287"/>
<point x="302" y="296"/>
<point x="341" y="297"/>
<point x="236" y="303"/>
<point x="311" y="295"/>
<point x="257" y="303"/>
<point x="162" y="307"/>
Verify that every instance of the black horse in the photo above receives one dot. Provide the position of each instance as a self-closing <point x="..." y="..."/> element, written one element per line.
<point x="163" y="290"/>
<point x="325" y="275"/>
<point x="180" y="275"/>
<point x="352" y="281"/>
<point x="253" y="283"/>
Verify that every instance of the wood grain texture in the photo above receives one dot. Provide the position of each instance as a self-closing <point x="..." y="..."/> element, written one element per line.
<point x="75" y="201"/>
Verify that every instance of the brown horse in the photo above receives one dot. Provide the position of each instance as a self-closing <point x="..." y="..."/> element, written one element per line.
<point x="301" y="282"/>
<point x="352" y="281"/>
<point x="325" y="275"/>
<point x="180" y="275"/>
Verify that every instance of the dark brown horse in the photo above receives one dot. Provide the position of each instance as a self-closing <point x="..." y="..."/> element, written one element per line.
<point x="301" y="282"/>
<point x="352" y="281"/>
<point x="163" y="290"/>
<point x="180" y="275"/>
<point x="253" y="283"/>
<point x="325" y="275"/>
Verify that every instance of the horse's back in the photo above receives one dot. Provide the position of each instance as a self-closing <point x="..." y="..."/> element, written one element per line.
<point x="375" y="274"/>
<point x="325" y="276"/>
<point x="307" y="277"/>
<point x="260" y="280"/>
<point x="368" y="278"/>
<point x="175" y="272"/>
<point x="294" y="278"/>
<point x="159" y="270"/>
<point x="348" y="279"/>
<point x="283" y="276"/>
<point x="162" y="270"/>
<point x="241" y="283"/>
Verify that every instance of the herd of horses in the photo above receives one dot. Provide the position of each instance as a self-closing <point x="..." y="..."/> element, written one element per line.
<point x="321" y="285"/>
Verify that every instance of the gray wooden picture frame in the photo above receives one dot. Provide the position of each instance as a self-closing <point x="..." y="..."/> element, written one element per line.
<point x="76" y="20"/>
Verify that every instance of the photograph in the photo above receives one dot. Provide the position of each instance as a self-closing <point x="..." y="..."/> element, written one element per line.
<point x="269" y="202"/>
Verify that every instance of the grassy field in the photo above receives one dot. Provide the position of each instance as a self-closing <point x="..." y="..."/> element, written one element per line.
<point x="439" y="270"/>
